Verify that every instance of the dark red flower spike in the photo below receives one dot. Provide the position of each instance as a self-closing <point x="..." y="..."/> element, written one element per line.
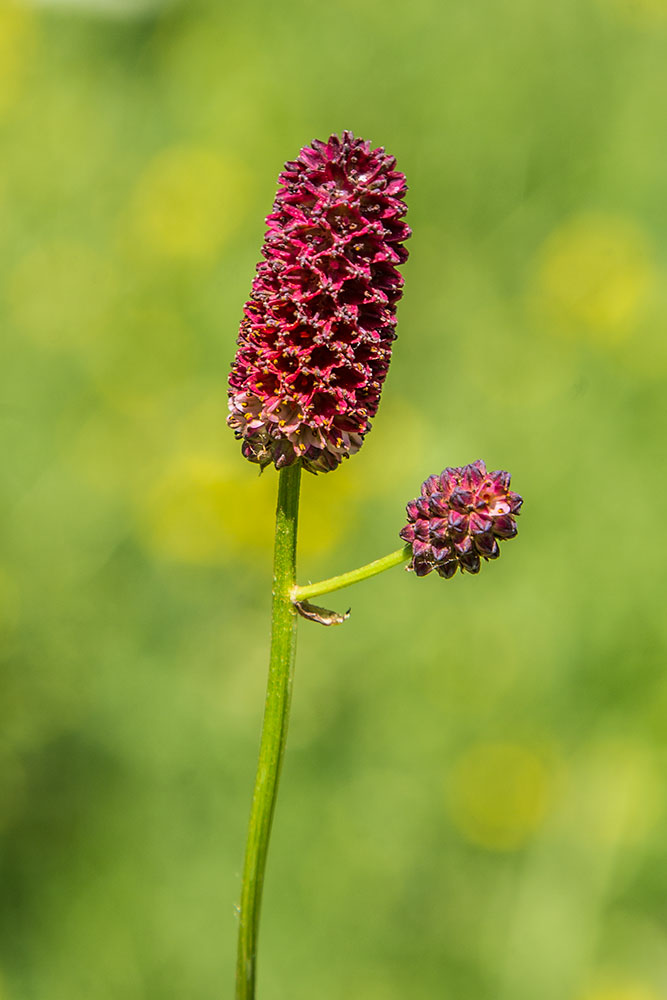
<point x="315" y="340"/>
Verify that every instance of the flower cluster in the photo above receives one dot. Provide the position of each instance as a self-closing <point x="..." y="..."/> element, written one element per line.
<point x="315" y="340"/>
<point x="459" y="519"/>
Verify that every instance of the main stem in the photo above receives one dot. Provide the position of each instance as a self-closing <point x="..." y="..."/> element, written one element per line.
<point x="274" y="728"/>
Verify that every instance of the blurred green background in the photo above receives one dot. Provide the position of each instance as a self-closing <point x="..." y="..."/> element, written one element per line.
<point x="473" y="802"/>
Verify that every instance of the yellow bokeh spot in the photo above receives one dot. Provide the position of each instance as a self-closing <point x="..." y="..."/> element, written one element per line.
<point x="16" y="38"/>
<point x="328" y="506"/>
<point x="187" y="203"/>
<point x="595" y="273"/>
<point x="649" y="8"/>
<point x="200" y="512"/>
<point x="634" y="991"/>
<point x="207" y="510"/>
<point x="498" y="794"/>
<point x="60" y="295"/>
<point x="640" y="11"/>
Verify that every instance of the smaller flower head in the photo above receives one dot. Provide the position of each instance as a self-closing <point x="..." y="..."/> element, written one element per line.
<point x="459" y="520"/>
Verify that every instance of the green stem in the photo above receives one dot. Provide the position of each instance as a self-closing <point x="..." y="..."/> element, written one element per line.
<point x="354" y="576"/>
<point x="274" y="728"/>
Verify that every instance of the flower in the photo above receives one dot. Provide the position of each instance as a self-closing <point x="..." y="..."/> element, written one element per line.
<point x="459" y="519"/>
<point x="315" y="339"/>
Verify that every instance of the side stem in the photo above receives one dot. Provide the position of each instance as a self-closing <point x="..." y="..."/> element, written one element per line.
<point x="354" y="576"/>
<point x="274" y="728"/>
